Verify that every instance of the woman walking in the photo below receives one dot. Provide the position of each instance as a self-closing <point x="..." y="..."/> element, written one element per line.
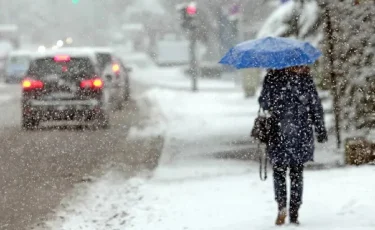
<point x="291" y="98"/>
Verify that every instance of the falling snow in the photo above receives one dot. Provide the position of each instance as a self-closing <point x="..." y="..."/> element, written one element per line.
<point x="118" y="115"/>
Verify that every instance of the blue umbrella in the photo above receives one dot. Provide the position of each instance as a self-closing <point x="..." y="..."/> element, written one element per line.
<point x="271" y="53"/>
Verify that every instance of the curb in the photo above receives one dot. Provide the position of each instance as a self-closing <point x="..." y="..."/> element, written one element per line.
<point x="250" y="154"/>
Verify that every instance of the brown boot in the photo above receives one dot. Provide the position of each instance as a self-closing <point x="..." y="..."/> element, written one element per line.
<point x="280" y="220"/>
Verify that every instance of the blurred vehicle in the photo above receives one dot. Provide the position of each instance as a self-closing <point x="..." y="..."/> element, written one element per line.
<point x="103" y="55"/>
<point x="120" y="76"/>
<point x="16" y="66"/>
<point x="114" y="70"/>
<point x="67" y="85"/>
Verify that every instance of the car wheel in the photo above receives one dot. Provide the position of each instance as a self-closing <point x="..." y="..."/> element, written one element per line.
<point x="102" y="121"/>
<point x="127" y="94"/>
<point x="121" y="103"/>
<point x="105" y="124"/>
<point x="127" y="91"/>
<point x="29" y="123"/>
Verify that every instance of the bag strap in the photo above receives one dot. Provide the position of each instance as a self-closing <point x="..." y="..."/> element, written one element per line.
<point x="260" y="111"/>
<point x="262" y="168"/>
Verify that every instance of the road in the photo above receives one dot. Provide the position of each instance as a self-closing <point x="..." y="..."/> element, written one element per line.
<point x="38" y="168"/>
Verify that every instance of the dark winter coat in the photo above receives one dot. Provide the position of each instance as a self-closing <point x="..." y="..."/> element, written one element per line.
<point x="295" y="108"/>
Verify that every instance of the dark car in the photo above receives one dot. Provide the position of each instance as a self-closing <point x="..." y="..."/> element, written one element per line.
<point x="104" y="57"/>
<point x="122" y="73"/>
<point x="67" y="86"/>
<point x="114" y="70"/>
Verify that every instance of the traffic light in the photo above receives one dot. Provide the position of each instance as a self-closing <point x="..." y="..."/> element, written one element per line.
<point x="191" y="9"/>
<point x="188" y="13"/>
<point x="75" y="1"/>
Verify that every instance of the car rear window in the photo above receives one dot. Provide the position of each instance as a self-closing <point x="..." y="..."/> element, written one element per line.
<point x="48" y="66"/>
<point x="104" y="59"/>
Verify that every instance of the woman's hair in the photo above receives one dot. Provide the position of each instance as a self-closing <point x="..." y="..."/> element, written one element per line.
<point x="299" y="69"/>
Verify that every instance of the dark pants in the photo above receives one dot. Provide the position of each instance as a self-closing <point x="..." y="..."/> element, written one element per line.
<point x="296" y="185"/>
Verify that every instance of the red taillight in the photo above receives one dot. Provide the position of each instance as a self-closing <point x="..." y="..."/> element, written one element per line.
<point x="95" y="83"/>
<point x="31" y="84"/>
<point x="61" y="58"/>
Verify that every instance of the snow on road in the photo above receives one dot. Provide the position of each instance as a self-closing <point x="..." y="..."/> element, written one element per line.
<point x="5" y="98"/>
<point x="9" y="92"/>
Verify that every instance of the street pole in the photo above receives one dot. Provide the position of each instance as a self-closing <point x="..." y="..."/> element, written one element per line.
<point x="189" y="22"/>
<point x="193" y="59"/>
<point x="334" y="89"/>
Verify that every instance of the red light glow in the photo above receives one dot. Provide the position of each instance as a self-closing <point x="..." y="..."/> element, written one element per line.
<point x="61" y="58"/>
<point x="191" y="9"/>
<point x="30" y="84"/>
<point x="95" y="83"/>
<point x="115" y="68"/>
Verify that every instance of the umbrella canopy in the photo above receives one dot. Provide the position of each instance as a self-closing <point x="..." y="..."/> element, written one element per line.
<point x="271" y="53"/>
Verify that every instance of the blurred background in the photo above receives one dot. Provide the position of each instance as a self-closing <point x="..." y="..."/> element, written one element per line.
<point x="141" y="22"/>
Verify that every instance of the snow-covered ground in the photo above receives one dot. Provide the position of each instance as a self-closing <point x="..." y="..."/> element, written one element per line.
<point x="192" y="188"/>
<point x="222" y="195"/>
<point x="238" y="200"/>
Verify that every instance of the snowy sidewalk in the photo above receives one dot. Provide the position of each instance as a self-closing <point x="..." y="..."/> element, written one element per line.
<point x="224" y="195"/>
<point x="207" y="124"/>
<point x="243" y="202"/>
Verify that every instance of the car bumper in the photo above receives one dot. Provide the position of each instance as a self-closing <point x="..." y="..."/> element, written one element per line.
<point x="60" y="110"/>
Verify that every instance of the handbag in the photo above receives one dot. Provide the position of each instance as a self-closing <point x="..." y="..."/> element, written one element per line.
<point x="262" y="128"/>
<point x="262" y="133"/>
